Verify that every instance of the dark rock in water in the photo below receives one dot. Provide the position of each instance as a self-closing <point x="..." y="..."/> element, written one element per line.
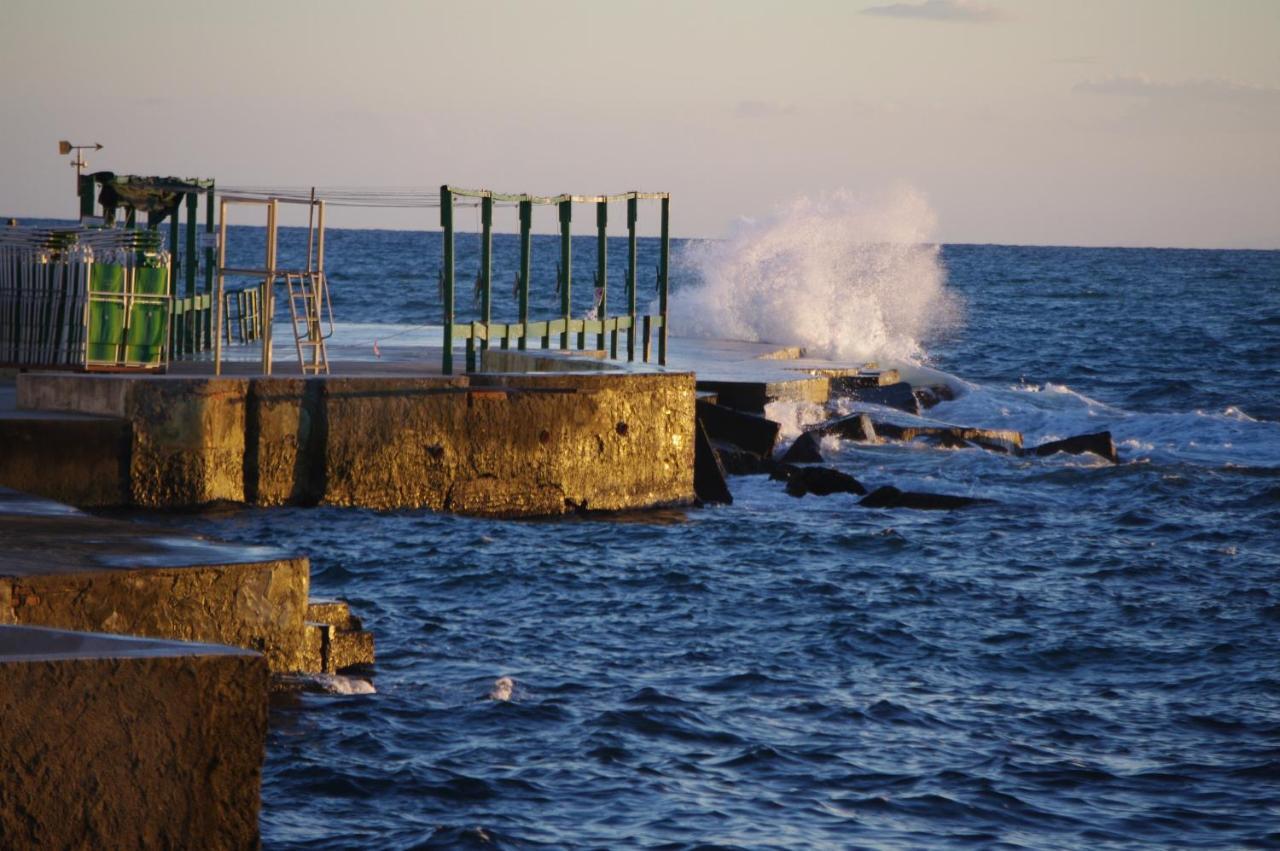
<point x="738" y="461"/>
<point x="753" y="433"/>
<point x="805" y="450"/>
<point x="933" y="394"/>
<point x="852" y="427"/>
<point x="996" y="440"/>
<point x="891" y="395"/>
<point x="1099" y="443"/>
<point x="781" y="472"/>
<point x="890" y="497"/>
<point x="819" y="481"/>
<point x="708" y="474"/>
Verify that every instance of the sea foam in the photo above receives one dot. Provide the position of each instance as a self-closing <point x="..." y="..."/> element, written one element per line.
<point x="844" y="277"/>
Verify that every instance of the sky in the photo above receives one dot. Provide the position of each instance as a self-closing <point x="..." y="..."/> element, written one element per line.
<point x="1089" y="122"/>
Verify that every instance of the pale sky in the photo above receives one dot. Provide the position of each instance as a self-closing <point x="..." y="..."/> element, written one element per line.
<point x="1078" y="122"/>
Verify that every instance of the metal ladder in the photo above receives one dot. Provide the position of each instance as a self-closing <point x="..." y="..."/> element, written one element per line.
<point x="308" y="304"/>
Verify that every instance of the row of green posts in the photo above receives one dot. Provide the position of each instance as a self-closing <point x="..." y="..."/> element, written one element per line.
<point x="83" y="298"/>
<point x="566" y="329"/>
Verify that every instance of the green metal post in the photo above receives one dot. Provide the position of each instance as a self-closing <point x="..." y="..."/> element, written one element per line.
<point x="631" y="278"/>
<point x="602" y="272"/>
<point x="486" y="266"/>
<point x="197" y="323"/>
<point x="446" y="222"/>
<point x="175" y="269"/>
<point x="131" y="219"/>
<point x="566" y="270"/>
<point x="526" y="224"/>
<point x="209" y="263"/>
<point x="662" y="280"/>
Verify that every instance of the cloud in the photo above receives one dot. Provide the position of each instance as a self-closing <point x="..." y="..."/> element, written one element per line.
<point x="1183" y="91"/>
<point x="762" y="109"/>
<point x="968" y="11"/>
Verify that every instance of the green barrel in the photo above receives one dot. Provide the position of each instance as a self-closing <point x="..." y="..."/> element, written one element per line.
<point x="144" y="341"/>
<point x="106" y="313"/>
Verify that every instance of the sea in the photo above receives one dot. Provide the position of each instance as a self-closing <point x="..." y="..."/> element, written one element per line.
<point x="1090" y="661"/>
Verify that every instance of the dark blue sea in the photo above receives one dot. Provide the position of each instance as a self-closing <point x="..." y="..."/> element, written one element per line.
<point x="1091" y="662"/>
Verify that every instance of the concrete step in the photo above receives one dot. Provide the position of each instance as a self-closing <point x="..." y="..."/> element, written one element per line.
<point x="335" y="639"/>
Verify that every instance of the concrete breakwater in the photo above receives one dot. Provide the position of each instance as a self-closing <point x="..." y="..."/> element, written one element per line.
<point x="492" y="444"/>
<point x="135" y="667"/>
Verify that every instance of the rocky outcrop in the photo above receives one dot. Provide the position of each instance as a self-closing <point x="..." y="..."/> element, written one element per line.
<point x="1099" y="443"/>
<point x="819" y="481"/>
<point x="898" y="396"/>
<point x="753" y="433"/>
<point x="708" y="473"/>
<point x="806" y="449"/>
<point x="891" y="497"/>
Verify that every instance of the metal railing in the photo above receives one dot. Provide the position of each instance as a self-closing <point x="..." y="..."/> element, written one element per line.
<point x="479" y="333"/>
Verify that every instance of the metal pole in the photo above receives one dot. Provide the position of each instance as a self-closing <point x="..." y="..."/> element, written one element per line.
<point x="311" y="229"/>
<point x="446" y="275"/>
<point x="566" y="270"/>
<point x="175" y="269"/>
<point x="602" y="272"/>
<point x="198" y="318"/>
<point x="321" y="291"/>
<point x="208" y="265"/>
<point x="526" y="224"/>
<point x="269" y="287"/>
<point x="486" y="270"/>
<point x="631" y="278"/>
<point x="220" y="295"/>
<point x="662" y="280"/>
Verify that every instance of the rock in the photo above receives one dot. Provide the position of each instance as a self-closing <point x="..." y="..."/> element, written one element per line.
<point x="708" y="474"/>
<point x="819" y="481"/>
<point x="890" y="497"/>
<point x="996" y="440"/>
<point x="852" y="427"/>
<point x="738" y="461"/>
<point x="805" y="450"/>
<point x="1099" y="443"/>
<point x="933" y="394"/>
<point x="891" y="395"/>
<point x="748" y="431"/>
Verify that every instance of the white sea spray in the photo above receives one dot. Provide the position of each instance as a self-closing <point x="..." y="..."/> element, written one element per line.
<point x="845" y="277"/>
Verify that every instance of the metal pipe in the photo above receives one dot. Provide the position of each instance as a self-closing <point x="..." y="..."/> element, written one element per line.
<point x="566" y="270"/>
<point x="446" y="274"/>
<point x="221" y="294"/>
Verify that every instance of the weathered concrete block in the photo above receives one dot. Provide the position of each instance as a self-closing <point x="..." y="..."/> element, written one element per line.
<point x="114" y="742"/>
<point x="392" y="442"/>
<point x="60" y="568"/>
<point x="72" y="458"/>
<point x="187" y="433"/>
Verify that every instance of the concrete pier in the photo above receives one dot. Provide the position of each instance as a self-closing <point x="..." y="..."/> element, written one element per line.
<point x="66" y="569"/>
<point x="487" y="444"/>
<point x="114" y="742"/>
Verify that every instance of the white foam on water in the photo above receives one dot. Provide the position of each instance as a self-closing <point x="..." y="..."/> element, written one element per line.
<point x="338" y="684"/>
<point x="846" y="278"/>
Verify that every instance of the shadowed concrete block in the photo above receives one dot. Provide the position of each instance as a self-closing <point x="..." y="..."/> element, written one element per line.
<point x="60" y="568"/>
<point x="187" y="443"/>
<point x="68" y="457"/>
<point x="114" y="742"/>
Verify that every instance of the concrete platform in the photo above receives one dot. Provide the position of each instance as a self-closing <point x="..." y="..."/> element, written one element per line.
<point x="114" y="742"/>
<point x="492" y="444"/>
<point x="66" y="569"/>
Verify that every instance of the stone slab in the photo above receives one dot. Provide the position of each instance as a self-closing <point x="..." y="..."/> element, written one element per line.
<point x="62" y="568"/>
<point x="114" y="742"/>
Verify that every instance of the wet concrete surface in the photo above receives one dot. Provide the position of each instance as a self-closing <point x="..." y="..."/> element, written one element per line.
<point x="40" y="537"/>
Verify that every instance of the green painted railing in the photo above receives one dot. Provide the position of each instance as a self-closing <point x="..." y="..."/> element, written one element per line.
<point x="480" y="333"/>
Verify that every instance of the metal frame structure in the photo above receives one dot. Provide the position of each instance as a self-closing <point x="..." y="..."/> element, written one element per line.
<point x="270" y="274"/>
<point x="485" y="330"/>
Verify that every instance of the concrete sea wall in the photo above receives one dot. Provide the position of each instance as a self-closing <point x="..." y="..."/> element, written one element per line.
<point x="490" y="444"/>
